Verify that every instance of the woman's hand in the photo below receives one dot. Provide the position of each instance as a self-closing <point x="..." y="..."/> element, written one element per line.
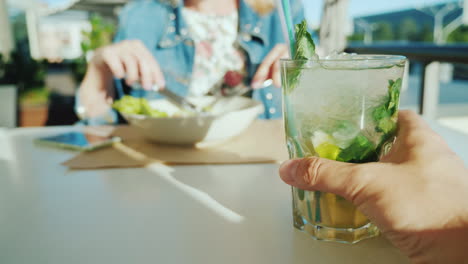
<point x="129" y="59"/>
<point x="270" y="67"/>
<point x="417" y="195"/>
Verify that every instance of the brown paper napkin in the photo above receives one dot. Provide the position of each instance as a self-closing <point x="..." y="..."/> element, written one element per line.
<point x="262" y="142"/>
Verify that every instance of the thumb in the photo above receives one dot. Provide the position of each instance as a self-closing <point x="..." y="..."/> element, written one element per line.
<point x="318" y="174"/>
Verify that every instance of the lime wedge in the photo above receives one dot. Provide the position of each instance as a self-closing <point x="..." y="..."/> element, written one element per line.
<point x="328" y="151"/>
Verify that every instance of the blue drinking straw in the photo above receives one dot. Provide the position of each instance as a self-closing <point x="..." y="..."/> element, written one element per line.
<point x="288" y="31"/>
<point x="287" y="24"/>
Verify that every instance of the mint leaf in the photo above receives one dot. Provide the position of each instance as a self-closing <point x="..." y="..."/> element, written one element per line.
<point x="304" y="50"/>
<point x="345" y="126"/>
<point x="305" y="46"/>
<point x="301" y="194"/>
<point x="394" y="96"/>
<point x="386" y="125"/>
<point x="384" y="115"/>
<point x="380" y="113"/>
<point x="361" y="150"/>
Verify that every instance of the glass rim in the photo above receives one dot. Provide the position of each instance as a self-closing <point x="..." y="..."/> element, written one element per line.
<point x="358" y="57"/>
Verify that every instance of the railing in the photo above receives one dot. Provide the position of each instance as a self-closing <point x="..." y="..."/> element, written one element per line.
<point x="430" y="55"/>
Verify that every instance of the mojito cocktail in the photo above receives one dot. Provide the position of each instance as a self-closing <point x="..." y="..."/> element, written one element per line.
<point x="343" y="109"/>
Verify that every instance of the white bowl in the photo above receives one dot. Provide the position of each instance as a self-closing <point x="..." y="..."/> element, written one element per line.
<point x="229" y="117"/>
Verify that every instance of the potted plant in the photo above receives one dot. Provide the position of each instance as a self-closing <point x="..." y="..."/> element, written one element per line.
<point x="101" y="34"/>
<point x="25" y="76"/>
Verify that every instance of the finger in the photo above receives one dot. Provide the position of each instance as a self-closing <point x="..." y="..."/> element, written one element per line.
<point x="410" y="121"/>
<point x="154" y="72"/>
<point x="264" y="68"/>
<point x="131" y="68"/>
<point x="415" y="136"/>
<point x="325" y="175"/>
<point x="157" y="76"/>
<point x="414" y="128"/>
<point x="114" y="64"/>
<point x="137" y="50"/>
<point x="145" y="73"/>
<point x="276" y="76"/>
<point x="260" y="75"/>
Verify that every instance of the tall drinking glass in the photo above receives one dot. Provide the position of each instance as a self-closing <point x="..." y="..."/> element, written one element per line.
<point x="340" y="109"/>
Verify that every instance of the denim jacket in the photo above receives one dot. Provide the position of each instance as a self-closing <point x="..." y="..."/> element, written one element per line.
<point x="160" y="25"/>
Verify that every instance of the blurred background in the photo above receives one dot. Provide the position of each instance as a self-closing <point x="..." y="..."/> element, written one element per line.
<point x="44" y="45"/>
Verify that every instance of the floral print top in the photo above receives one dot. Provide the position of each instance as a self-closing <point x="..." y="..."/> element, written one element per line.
<point x="216" y="50"/>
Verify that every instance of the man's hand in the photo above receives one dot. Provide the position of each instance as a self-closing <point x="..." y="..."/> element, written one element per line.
<point x="417" y="194"/>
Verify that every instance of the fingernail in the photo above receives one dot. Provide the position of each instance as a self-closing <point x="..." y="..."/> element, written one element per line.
<point x="155" y="88"/>
<point x="288" y="171"/>
<point x="268" y="82"/>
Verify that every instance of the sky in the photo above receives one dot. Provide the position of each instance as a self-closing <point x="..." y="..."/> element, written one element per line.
<point x="356" y="7"/>
<point x="366" y="7"/>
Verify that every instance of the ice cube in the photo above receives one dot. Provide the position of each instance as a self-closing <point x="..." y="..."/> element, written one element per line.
<point x="345" y="134"/>
<point x="335" y="55"/>
<point x="321" y="137"/>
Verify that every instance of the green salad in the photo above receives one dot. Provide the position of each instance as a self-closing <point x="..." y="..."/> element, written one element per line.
<point x="137" y="106"/>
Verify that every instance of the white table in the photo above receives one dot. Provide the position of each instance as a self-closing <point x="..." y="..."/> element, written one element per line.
<point x="159" y="214"/>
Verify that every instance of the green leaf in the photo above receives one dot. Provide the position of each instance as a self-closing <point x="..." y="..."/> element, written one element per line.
<point x="345" y="127"/>
<point x="305" y="46"/>
<point x="304" y="50"/>
<point x="100" y="34"/>
<point x="385" y="114"/>
<point x="386" y="125"/>
<point x="301" y="194"/>
<point x="292" y="77"/>
<point x="394" y="88"/>
<point x="380" y="113"/>
<point x="361" y="150"/>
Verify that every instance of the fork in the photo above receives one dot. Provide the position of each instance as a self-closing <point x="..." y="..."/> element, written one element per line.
<point x="176" y="99"/>
<point x="239" y="92"/>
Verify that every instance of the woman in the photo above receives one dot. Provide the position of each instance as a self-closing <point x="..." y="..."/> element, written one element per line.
<point x="193" y="47"/>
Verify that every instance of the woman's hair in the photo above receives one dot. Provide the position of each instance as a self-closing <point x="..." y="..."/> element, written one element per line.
<point x="262" y="6"/>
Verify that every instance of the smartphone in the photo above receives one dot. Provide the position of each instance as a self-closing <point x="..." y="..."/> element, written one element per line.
<point x="78" y="141"/>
